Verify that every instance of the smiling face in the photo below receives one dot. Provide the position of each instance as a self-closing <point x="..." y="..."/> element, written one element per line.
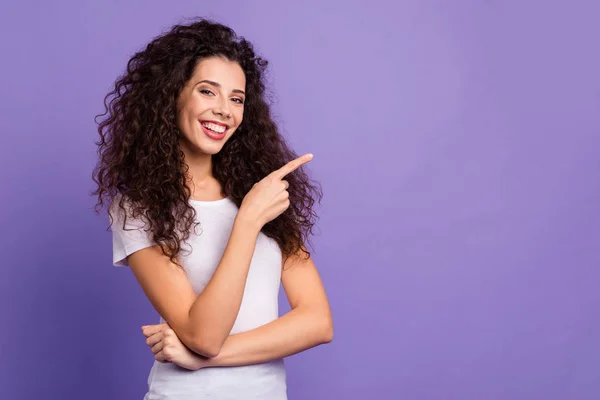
<point x="211" y="106"/>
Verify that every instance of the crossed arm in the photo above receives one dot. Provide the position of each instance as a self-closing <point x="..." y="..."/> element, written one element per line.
<point x="203" y="322"/>
<point x="306" y="325"/>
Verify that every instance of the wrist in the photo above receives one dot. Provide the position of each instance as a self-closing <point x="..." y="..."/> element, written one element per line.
<point x="209" y="362"/>
<point x="245" y="223"/>
<point x="199" y="362"/>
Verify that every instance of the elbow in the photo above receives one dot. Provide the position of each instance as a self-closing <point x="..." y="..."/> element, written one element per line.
<point x="328" y="336"/>
<point x="205" y="347"/>
<point x="327" y="331"/>
<point x="212" y="352"/>
<point x="208" y="351"/>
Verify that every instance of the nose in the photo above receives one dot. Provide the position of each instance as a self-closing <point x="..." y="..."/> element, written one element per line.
<point x="223" y="109"/>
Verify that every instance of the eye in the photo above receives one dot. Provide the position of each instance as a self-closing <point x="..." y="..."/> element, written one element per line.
<point x="206" y="92"/>
<point x="238" y="100"/>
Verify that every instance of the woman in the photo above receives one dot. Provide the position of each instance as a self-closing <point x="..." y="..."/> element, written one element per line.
<point x="211" y="210"/>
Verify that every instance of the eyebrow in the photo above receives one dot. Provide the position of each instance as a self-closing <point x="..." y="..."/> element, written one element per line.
<point x="218" y="85"/>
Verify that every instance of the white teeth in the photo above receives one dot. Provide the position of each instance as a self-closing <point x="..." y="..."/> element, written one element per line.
<point x="214" y="127"/>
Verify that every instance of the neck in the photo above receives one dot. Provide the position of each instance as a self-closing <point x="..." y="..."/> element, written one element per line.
<point x="199" y="166"/>
<point x="200" y="174"/>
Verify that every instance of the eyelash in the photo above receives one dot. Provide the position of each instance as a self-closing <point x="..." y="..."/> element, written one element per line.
<point x="239" y="101"/>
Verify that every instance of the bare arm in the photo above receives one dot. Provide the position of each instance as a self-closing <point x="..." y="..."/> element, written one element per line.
<point x="307" y="325"/>
<point x="203" y="322"/>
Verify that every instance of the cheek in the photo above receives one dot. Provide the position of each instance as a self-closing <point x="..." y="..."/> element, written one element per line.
<point x="194" y="106"/>
<point x="180" y="122"/>
<point x="239" y="116"/>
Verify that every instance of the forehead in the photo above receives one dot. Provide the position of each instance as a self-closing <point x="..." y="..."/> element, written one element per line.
<point x="227" y="73"/>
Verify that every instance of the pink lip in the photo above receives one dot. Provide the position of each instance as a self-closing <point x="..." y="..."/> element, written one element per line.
<point x="214" y="135"/>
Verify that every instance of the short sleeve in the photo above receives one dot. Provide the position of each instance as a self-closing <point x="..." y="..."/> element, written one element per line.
<point x="129" y="240"/>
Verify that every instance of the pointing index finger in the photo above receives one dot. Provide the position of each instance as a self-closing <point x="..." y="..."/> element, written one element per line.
<point x="293" y="165"/>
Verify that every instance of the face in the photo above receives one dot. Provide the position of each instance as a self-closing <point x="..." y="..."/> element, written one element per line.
<point x="211" y="106"/>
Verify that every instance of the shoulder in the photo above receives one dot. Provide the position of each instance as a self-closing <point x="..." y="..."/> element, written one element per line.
<point x="123" y="214"/>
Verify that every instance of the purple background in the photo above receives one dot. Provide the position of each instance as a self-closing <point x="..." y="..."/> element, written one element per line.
<point x="458" y="147"/>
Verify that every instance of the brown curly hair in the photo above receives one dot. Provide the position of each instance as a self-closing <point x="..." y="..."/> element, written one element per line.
<point x="141" y="163"/>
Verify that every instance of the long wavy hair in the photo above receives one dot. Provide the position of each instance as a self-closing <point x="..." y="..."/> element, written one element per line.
<point x="140" y="161"/>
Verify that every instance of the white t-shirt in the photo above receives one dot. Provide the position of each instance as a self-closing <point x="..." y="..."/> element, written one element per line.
<point x="266" y="381"/>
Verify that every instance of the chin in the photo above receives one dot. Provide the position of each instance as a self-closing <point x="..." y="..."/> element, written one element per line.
<point x="204" y="145"/>
<point x="210" y="147"/>
<point x="211" y="151"/>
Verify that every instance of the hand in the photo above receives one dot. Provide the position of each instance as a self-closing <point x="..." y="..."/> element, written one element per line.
<point x="269" y="197"/>
<point x="167" y="348"/>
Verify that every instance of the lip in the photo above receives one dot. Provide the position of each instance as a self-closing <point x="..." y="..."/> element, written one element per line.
<point x="215" y="122"/>
<point x="214" y="135"/>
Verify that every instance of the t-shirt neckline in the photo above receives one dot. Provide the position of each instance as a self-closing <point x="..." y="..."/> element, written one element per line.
<point x="209" y="203"/>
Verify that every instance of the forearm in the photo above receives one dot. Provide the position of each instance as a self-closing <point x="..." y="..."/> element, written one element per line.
<point x="214" y="311"/>
<point x="296" y="331"/>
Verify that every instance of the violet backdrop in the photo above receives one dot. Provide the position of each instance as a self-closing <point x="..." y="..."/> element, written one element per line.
<point x="457" y="144"/>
